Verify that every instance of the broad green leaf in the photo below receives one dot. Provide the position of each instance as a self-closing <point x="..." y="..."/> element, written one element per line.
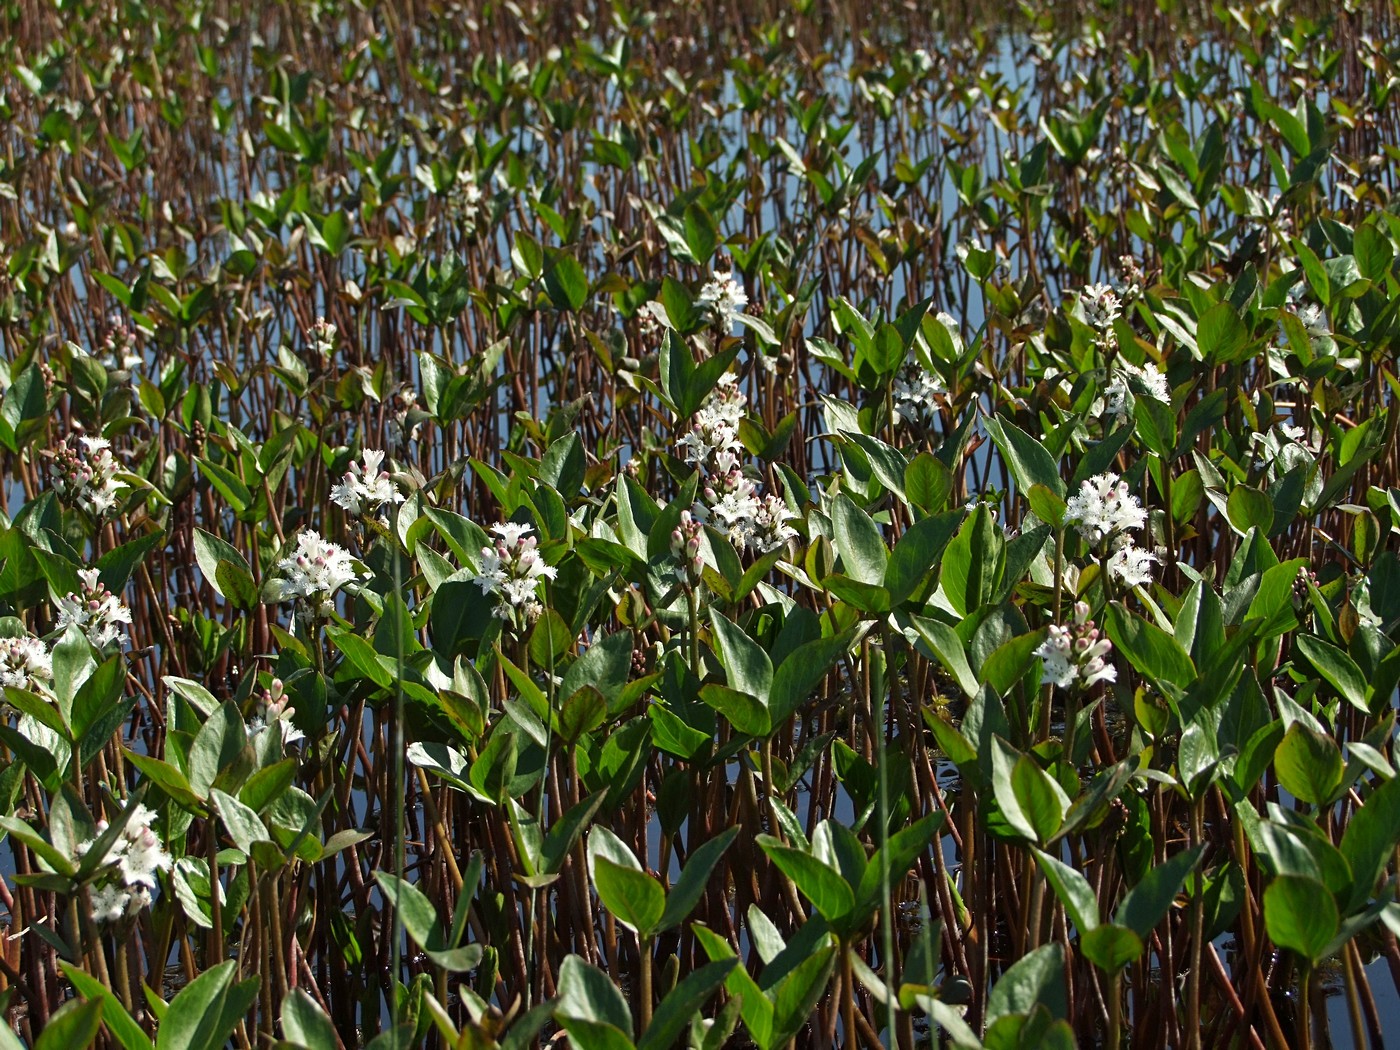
<point x="1309" y="765"/>
<point x="1300" y="915"/>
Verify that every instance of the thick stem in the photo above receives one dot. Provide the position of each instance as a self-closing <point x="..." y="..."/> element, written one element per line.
<point x="644" y="1006"/>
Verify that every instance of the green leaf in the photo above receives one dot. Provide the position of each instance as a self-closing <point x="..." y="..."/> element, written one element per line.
<point x="1250" y="508"/>
<point x="819" y="883"/>
<point x="1221" y="336"/>
<point x="690" y="887"/>
<point x="916" y="554"/>
<point x="192" y="1015"/>
<point x="72" y="1026"/>
<point x="118" y="1022"/>
<point x="1369" y="842"/>
<point x="414" y="910"/>
<point x="927" y="482"/>
<point x="1300" y="915"/>
<point x="1040" y="797"/>
<point x="858" y="542"/>
<point x="747" y="667"/>
<point x="566" y="283"/>
<point x="1309" y="765"/>
<point x="587" y="994"/>
<point x="244" y="826"/>
<point x="634" y="897"/>
<point x="1111" y="947"/>
<point x="304" y="1022"/>
<point x="1074" y="892"/>
<point x="1147" y="902"/>
<point x="1037" y="979"/>
<point x="1151" y="650"/>
<point x="1336" y="667"/>
<point x="800" y="672"/>
<point x="1028" y="460"/>
<point x="683" y="1003"/>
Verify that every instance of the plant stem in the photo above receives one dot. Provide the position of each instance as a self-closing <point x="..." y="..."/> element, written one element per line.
<point x="644" y="1005"/>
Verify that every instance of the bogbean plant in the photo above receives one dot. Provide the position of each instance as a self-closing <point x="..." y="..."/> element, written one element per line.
<point x="656" y="526"/>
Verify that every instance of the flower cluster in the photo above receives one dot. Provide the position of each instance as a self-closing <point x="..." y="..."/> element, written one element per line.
<point x="723" y="298"/>
<point x="466" y="197"/>
<point x="128" y="872"/>
<point x="712" y="442"/>
<point x="1075" y="654"/>
<point x="119" y="347"/>
<point x="274" y="709"/>
<point x="685" y="545"/>
<point x="405" y="423"/>
<point x="321" y="336"/>
<point x="97" y="612"/>
<point x="24" y="662"/>
<point x="1104" y="507"/>
<point x="1126" y="377"/>
<point x="1104" y="512"/>
<point x="915" y="391"/>
<point x="512" y="571"/>
<point x="314" y="572"/>
<point x="87" y="480"/>
<point x="1101" y="306"/>
<point x="366" y="487"/>
<point x="729" y="500"/>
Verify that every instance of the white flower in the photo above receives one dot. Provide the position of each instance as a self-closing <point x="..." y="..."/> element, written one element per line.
<point x="1075" y="654"/>
<point x="135" y="857"/>
<point x="109" y="903"/>
<point x="1148" y="381"/>
<point x="366" y="487"/>
<point x="513" y="570"/>
<point x="87" y="480"/>
<point x="653" y="319"/>
<point x="723" y="297"/>
<point x="712" y="442"/>
<point x="321" y="336"/>
<point x="1100" y="305"/>
<point x="274" y="708"/>
<point x="1132" y="565"/>
<point x="97" y="612"/>
<point x="1104" y="507"/>
<point x="771" y="530"/>
<point x="915" y="392"/>
<point x="314" y="572"/>
<point x="24" y="662"/>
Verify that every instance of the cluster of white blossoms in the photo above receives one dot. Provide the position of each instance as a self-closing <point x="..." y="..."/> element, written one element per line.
<point x="366" y="487"/>
<point x="729" y="500"/>
<point x="466" y="197"/>
<point x="1105" y="512"/>
<point x="128" y="871"/>
<point x="723" y="298"/>
<point x="1101" y="306"/>
<point x="274" y="709"/>
<point x="712" y="442"/>
<point x="512" y="570"/>
<point x="87" y="480"/>
<point x="97" y="612"/>
<point x="1075" y="654"/>
<point x="314" y="571"/>
<point x="1148" y="380"/>
<point x="915" y="391"/>
<point x="321" y="336"/>
<point x="24" y="662"/>
<point x="405" y="406"/>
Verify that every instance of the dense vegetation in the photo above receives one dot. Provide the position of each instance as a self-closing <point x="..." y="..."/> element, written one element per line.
<point x="737" y="524"/>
